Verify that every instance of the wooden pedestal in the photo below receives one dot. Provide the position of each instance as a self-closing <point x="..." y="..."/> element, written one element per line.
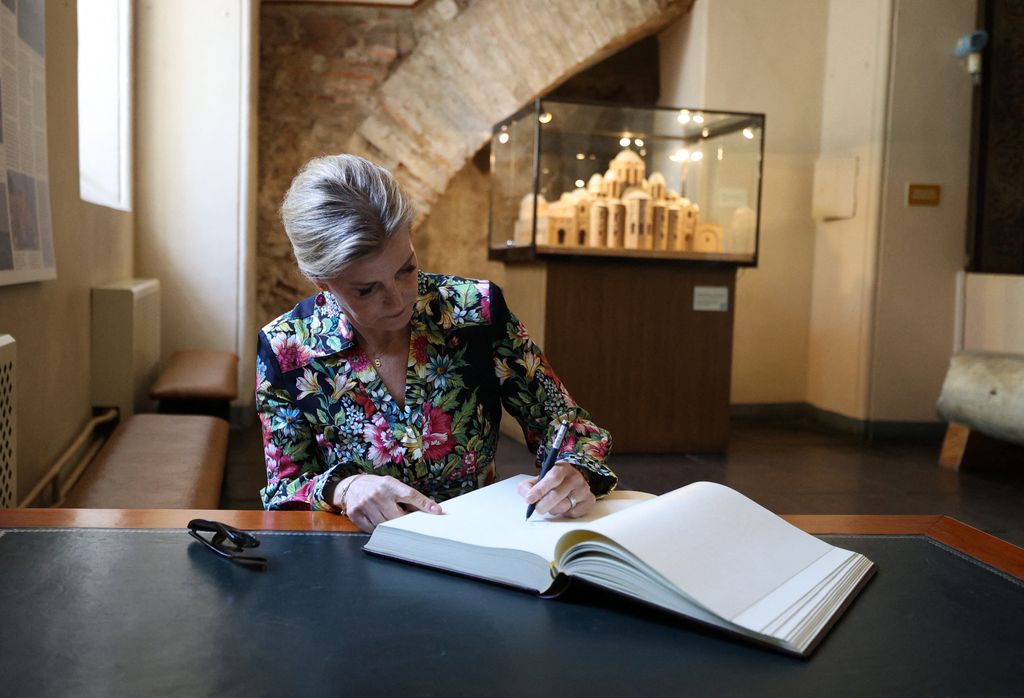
<point x="625" y="339"/>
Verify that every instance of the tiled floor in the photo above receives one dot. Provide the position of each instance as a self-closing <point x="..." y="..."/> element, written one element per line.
<point x="791" y="468"/>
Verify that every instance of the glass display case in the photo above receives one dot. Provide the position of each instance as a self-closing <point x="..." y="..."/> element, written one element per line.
<point x="597" y="179"/>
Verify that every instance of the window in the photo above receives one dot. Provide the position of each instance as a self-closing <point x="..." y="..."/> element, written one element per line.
<point x="104" y="102"/>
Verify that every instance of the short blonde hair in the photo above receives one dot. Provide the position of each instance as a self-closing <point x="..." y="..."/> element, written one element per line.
<point x="339" y="209"/>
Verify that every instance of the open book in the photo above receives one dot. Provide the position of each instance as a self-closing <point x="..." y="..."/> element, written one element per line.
<point x="703" y="551"/>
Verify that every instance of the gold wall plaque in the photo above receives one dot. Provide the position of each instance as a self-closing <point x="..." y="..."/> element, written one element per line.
<point x="924" y="194"/>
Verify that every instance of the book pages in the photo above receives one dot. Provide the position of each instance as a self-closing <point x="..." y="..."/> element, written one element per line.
<point x="704" y="551"/>
<point x="723" y="550"/>
<point x="495" y="517"/>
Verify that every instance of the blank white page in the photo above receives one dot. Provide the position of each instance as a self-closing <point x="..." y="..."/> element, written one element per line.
<point x="723" y="550"/>
<point x="495" y="517"/>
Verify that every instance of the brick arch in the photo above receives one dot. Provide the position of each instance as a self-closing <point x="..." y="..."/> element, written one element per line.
<point x="437" y="108"/>
<point x="417" y="91"/>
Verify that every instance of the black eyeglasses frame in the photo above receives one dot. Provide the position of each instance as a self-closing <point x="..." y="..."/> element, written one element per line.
<point x="228" y="542"/>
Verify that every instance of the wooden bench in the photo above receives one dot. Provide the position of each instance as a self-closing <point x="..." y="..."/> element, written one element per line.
<point x="197" y="382"/>
<point x="983" y="401"/>
<point x="156" y="461"/>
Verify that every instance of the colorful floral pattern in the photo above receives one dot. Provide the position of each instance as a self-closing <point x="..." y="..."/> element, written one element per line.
<point x="325" y="411"/>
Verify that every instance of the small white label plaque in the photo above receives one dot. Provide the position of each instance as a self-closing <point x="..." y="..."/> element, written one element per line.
<point x="713" y="298"/>
<point x="732" y="197"/>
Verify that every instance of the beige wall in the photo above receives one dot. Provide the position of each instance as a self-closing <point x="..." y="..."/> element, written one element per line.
<point x="194" y="72"/>
<point x="683" y="58"/>
<point x="921" y="249"/>
<point x="843" y="288"/>
<point x="93" y="245"/>
<point x="855" y="316"/>
<point x="756" y="58"/>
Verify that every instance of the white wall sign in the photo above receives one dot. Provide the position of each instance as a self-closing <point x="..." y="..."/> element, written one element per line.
<point x="733" y="197"/>
<point x="835" y="188"/>
<point x="711" y="298"/>
<point x="26" y="231"/>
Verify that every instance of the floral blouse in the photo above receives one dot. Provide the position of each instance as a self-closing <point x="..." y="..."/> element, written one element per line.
<point x="326" y="412"/>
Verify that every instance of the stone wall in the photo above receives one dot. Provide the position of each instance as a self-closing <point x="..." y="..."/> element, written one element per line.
<point x="417" y="91"/>
<point x="453" y="239"/>
<point x="320" y="69"/>
<point x="437" y="109"/>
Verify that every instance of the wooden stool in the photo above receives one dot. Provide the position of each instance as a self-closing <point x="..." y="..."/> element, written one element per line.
<point x="198" y="382"/>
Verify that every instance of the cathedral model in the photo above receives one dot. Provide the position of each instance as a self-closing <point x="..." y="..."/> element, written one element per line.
<point x="623" y="209"/>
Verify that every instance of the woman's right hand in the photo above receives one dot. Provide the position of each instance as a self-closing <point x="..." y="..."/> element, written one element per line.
<point x="368" y="500"/>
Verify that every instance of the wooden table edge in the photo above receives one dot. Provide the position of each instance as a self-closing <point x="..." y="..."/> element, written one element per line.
<point x="982" y="546"/>
<point x="863" y="524"/>
<point x="253" y="520"/>
<point x="993" y="551"/>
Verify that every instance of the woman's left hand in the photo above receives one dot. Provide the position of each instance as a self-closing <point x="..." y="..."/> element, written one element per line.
<point x="562" y="492"/>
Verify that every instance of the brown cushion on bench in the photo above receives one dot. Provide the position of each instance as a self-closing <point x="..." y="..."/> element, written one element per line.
<point x="198" y="375"/>
<point x="156" y="461"/>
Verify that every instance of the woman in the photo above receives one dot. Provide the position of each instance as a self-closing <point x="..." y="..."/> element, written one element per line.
<point x="382" y="394"/>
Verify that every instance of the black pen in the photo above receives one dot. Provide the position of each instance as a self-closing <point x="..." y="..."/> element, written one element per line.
<point x="550" y="460"/>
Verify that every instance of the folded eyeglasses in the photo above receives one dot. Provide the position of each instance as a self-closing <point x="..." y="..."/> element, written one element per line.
<point x="227" y="541"/>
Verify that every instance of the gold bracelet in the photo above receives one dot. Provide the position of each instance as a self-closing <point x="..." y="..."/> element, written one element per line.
<point x="344" y="491"/>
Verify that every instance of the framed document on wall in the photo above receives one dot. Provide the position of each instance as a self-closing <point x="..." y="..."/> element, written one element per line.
<point x="26" y="230"/>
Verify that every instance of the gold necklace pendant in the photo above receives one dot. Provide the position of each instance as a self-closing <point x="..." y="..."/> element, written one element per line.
<point x="375" y="357"/>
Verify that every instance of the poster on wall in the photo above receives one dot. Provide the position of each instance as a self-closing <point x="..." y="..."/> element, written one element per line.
<point x="26" y="232"/>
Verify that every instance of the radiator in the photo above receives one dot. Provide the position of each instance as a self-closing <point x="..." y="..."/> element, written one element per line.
<point x="8" y="426"/>
<point x="125" y="344"/>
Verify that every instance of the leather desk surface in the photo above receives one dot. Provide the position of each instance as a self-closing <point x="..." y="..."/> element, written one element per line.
<point x="123" y="611"/>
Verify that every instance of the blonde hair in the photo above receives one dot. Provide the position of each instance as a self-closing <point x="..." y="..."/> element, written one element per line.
<point x="339" y="209"/>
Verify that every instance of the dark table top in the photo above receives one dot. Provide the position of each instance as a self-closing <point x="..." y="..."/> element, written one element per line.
<point x="148" y="611"/>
